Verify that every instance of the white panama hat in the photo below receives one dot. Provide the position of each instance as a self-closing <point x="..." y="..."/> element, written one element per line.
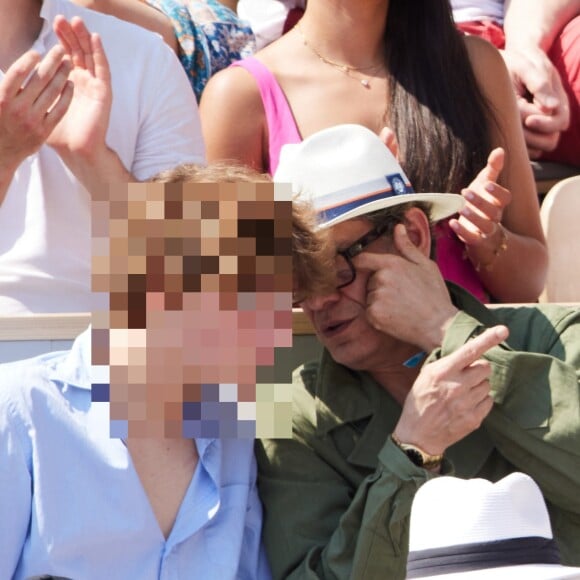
<point x="476" y="529"/>
<point x="347" y="171"/>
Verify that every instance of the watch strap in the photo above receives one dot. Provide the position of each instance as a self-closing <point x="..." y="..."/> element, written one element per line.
<point x="417" y="455"/>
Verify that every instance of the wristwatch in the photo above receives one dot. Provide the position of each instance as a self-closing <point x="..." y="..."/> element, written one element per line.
<point x="419" y="457"/>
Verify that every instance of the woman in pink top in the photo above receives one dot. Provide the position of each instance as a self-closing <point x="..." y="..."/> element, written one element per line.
<point x="448" y="100"/>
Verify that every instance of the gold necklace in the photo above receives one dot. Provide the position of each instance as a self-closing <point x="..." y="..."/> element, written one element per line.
<point x="343" y="68"/>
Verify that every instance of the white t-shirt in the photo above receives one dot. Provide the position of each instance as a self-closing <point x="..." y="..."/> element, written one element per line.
<point x="45" y="240"/>
<point x="267" y="17"/>
<point x="473" y="10"/>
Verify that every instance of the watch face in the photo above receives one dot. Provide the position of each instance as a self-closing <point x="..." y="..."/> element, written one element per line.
<point x="415" y="456"/>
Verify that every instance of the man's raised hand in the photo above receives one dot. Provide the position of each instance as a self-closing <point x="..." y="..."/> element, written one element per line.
<point x="34" y="96"/>
<point x="451" y="396"/>
<point x="406" y="295"/>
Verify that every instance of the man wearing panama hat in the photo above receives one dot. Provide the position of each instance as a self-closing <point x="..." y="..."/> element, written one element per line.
<point x="417" y="379"/>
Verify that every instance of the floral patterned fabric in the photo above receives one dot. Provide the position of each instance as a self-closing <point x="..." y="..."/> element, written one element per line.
<point x="210" y="37"/>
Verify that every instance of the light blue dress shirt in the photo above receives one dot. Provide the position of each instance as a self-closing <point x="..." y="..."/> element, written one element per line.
<point x="71" y="503"/>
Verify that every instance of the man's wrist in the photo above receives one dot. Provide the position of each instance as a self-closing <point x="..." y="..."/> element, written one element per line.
<point x="418" y="456"/>
<point x="434" y="338"/>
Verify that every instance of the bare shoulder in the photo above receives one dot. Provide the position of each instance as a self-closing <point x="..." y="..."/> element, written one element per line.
<point x="483" y="56"/>
<point x="232" y="117"/>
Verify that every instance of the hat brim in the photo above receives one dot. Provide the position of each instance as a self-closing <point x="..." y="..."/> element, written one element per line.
<point x="443" y="205"/>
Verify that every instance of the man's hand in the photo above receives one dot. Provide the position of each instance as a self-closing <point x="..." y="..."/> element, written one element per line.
<point x="450" y="397"/>
<point x="80" y="137"/>
<point x="478" y="223"/>
<point x="406" y="295"/>
<point x="82" y="131"/>
<point x="542" y="101"/>
<point x="30" y="109"/>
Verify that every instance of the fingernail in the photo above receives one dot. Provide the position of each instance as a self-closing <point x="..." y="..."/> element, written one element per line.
<point x="489" y="187"/>
<point x="469" y="195"/>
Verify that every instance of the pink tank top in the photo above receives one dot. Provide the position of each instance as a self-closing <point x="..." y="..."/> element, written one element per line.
<point x="282" y="129"/>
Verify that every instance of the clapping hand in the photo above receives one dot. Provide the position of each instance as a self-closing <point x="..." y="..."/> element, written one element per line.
<point x="34" y="97"/>
<point x="82" y="131"/>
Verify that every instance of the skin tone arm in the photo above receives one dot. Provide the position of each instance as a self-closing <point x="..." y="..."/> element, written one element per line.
<point x="530" y="28"/>
<point x="29" y="113"/>
<point x="247" y="143"/>
<point x="137" y="12"/>
<point x="516" y="274"/>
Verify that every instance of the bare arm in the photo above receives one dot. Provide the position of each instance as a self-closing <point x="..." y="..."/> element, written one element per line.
<point x="518" y="273"/>
<point x="137" y="12"/>
<point x="530" y="29"/>
<point x="233" y="119"/>
<point x="536" y="22"/>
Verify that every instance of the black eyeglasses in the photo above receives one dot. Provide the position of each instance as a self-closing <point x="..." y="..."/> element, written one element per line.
<point x="344" y="268"/>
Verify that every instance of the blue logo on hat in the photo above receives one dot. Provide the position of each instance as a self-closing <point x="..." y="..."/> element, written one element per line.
<point x="397" y="184"/>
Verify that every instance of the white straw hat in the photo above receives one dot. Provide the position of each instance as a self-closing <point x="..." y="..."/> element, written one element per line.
<point x="347" y="171"/>
<point x="478" y="529"/>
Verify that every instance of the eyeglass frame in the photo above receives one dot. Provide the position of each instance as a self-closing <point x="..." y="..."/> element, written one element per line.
<point x="353" y="251"/>
<point x="358" y="246"/>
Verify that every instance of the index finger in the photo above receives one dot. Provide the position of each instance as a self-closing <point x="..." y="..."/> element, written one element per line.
<point x="17" y="73"/>
<point x="474" y="349"/>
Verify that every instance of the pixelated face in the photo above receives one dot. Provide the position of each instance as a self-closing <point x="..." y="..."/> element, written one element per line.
<point x="199" y="283"/>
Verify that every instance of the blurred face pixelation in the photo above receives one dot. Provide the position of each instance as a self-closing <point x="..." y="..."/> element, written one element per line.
<point x="198" y="277"/>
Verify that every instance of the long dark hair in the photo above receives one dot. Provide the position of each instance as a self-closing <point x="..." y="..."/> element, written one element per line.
<point x="439" y="115"/>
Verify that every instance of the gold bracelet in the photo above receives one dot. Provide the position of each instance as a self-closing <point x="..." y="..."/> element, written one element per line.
<point x="502" y="247"/>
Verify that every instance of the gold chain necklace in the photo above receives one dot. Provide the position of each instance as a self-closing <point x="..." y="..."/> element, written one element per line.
<point x="343" y="68"/>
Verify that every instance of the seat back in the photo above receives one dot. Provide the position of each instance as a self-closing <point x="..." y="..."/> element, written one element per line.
<point x="560" y="216"/>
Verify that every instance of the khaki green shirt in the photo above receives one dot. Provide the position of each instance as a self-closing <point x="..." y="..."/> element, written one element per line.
<point x="337" y="496"/>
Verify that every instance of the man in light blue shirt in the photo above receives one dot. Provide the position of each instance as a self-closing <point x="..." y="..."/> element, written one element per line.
<point x="71" y="502"/>
<point x="131" y="456"/>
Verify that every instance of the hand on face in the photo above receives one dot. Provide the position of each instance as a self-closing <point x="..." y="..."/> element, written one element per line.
<point x="478" y="223"/>
<point x="450" y="397"/>
<point x="30" y="109"/>
<point x="406" y="295"/>
<point x="541" y="98"/>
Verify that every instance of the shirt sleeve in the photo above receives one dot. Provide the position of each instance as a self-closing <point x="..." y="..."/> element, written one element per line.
<point x="170" y="127"/>
<point x="535" y="422"/>
<point x="15" y="487"/>
<point x="319" y="524"/>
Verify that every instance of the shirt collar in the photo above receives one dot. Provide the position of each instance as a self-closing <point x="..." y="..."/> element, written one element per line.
<point x="75" y="367"/>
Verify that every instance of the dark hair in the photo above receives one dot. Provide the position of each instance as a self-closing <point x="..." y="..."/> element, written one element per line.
<point x="435" y="107"/>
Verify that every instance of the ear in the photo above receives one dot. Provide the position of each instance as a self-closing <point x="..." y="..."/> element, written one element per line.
<point x="388" y="137"/>
<point x="419" y="229"/>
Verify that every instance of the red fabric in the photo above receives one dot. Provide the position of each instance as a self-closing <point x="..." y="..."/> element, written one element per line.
<point x="565" y="54"/>
<point x="294" y="15"/>
<point x="454" y="266"/>
<point x="488" y="29"/>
